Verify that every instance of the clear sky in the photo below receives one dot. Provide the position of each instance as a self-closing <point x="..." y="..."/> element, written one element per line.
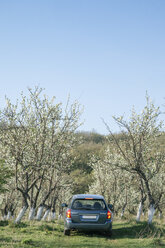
<point x="104" y="53"/>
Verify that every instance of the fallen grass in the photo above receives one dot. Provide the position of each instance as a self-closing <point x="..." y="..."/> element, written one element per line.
<point x="126" y="234"/>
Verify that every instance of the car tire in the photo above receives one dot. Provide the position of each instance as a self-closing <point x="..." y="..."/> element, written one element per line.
<point x="67" y="232"/>
<point x="109" y="233"/>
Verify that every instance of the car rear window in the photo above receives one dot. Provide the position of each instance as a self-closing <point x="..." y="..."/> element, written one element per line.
<point x="89" y="204"/>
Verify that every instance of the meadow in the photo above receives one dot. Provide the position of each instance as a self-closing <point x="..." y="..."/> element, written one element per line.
<point x="126" y="233"/>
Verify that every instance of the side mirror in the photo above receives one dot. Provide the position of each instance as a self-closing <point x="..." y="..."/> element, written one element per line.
<point x="64" y="205"/>
<point x="111" y="207"/>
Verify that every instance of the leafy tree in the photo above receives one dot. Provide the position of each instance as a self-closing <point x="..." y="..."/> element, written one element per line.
<point x="5" y="175"/>
<point x="138" y="152"/>
<point x="37" y="140"/>
<point x="115" y="184"/>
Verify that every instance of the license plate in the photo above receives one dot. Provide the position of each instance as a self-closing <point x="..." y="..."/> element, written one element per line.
<point x="89" y="217"/>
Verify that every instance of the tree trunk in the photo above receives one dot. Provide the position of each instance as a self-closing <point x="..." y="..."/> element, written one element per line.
<point x="123" y="209"/>
<point x="8" y="215"/>
<point x="52" y="216"/>
<point x="34" y="198"/>
<point x="32" y="213"/>
<point x="151" y="212"/>
<point x="4" y="217"/>
<point x="4" y="212"/>
<point x="39" y="212"/>
<point x="21" y="214"/>
<point x="140" y="208"/>
<point x="59" y="216"/>
<point x="122" y="212"/>
<point x="160" y="213"/>
<point x="139" y="212"/>
<point x="12" y="213"/>
<point x="46" y="214"/>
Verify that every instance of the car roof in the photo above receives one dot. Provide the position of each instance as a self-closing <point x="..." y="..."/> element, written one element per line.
<point x="82" y="196"/>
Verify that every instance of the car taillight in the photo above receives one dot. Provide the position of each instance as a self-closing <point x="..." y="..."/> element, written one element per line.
<point x="108" y="214"/>
<point x="68" y="214"/>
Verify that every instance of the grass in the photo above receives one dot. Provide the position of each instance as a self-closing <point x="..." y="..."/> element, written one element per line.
<point x="126" y="234"/>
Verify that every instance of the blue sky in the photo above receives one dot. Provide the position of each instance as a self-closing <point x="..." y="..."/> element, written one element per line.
<point x="104" y="53"/>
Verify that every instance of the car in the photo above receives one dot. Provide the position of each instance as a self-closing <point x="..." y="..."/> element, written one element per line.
<point x="87" y="212"/>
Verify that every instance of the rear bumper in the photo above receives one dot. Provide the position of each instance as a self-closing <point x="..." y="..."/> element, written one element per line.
<point x="88" y="226"/>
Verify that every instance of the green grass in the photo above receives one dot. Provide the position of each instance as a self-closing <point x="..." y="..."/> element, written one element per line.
<point x="126" y="234"/>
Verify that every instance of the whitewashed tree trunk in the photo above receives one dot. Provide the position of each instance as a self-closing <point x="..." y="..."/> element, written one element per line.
<point x="39" y="213"/>
<point x="59" y="216"/>
<point x="8" y="215"/>
<point x="49" y="216"/>
<point x="32" y="213"/>
<point x="139" y="212"/>
<point x="4" y="217"/>
<point x="151" y="212"/>
<point x="124" y="206"/>
<point x="46" y="214"/>
<point x="21" y="214"/>
<point x="53" y="216"/>
<point x="122" y="212"/>
<point x="160" y="215"/>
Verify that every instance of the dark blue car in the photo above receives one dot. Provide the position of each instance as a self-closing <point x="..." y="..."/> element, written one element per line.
<point x="87" y="212"/>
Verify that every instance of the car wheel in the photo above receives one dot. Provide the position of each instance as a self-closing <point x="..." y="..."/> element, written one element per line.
<point x="110" y="233"/>
<point x="67" y="232"/>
